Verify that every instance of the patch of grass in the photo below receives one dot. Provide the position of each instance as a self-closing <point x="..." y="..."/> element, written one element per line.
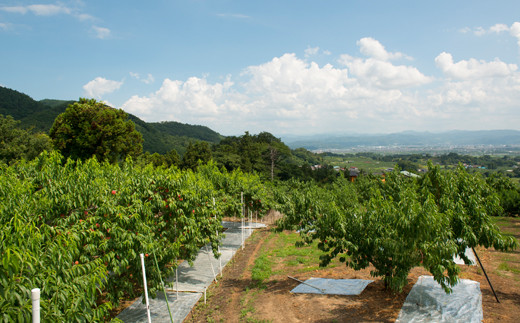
<point x="262" y="269"/>
<point x="502" y="221"/>
<point x="504" y="266"/>
<point x="306" y="257"/>
<point x="253" y="320"/>
<point x="247" y="310"/>
<point x="247" y="304"/>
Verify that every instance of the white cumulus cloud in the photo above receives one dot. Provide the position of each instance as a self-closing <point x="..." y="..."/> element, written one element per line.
<point x="310" y="51"/>
<point x="100" y="86"/>
<point x="515" y="31"/>
<point x="51" y="10"/>
<point x="148" y="80"/>
<point x="39" y="9"/>
<point x="48" y="9"/>
<point x="498" y="28"/>
<point x="285" y="94"/>
<point x="378" y="71"/>
<point x="371" y="93"/>
<point x="101" y="32"/>
<point x="383" y="74"/>
<point x="472" y="68"/>
<point x="373" y="48"/>
<point x="190" y="100"/>
<point x="481" y="31"/>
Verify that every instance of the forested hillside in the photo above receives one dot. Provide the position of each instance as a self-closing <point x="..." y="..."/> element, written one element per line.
<point x="158" y="137"/>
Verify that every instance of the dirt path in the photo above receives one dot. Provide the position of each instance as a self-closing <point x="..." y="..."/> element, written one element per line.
<point x="235" y="298"/>
<point x="225" y="296"/>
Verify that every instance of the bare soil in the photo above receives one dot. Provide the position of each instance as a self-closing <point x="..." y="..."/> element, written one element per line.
<point x="236" y="297"/>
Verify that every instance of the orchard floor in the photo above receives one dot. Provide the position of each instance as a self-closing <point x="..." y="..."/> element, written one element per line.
<point x="237" y="298"/>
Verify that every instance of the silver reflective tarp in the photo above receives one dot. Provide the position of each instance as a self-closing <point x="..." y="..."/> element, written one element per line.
<point x="332" y="286"/>
<point x="471" y="256"/>
<point x="427" y="302"/>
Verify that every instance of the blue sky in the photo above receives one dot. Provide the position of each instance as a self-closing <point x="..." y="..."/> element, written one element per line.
<point x="287" y="67"/>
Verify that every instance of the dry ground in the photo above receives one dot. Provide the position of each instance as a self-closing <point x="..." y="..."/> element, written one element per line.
<point x="236" y="297"/>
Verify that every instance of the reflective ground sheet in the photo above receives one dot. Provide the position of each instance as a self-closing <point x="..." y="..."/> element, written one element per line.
<point x="332" y="286"/>
<point x="427" y="302"/>
<point x="471" y="256"/>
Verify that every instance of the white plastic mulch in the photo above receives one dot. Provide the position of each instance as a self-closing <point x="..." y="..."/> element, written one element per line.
<point x="427" y="302"/>
<point x="332" y="286"/>
<point x="471" y="256"/>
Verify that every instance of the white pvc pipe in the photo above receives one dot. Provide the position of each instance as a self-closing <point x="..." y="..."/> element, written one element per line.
<point x="218" y="248"/>
<point x="146" y="290"/>
<point x="243" y="225"/>
<point x="211" y="263"/>
<point x="250" y="222"/>
<point x="35" y="297"/>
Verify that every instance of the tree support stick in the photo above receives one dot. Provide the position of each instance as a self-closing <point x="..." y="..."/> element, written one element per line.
<point x="35" y="297"/>
<point x="489" y="282"/>
<point x="145" y="290"/>
<point x="164" y="289"/>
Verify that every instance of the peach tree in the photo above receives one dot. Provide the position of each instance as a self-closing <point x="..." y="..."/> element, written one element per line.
<point x="398" y="224"/>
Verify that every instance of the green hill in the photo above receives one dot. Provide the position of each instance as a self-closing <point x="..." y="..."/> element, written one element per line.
<point x="159" y="137"/>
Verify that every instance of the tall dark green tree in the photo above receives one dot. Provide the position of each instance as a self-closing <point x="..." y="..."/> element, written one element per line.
<point x="172" y="158"/>
<point x="273" y="151"/>
<point x="90" y="128"/>
<point x="199" y="151"/>
<point x="262" y="153"/>
<point x="17" y="143"/>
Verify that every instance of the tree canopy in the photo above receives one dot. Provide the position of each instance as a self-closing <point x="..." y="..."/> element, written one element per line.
<point x="262" y="153"/>
<point x="17" y="143"/>
<point x="398" y="224"/>
<point x="199" y="151"/>
<point x="89" y="128"/>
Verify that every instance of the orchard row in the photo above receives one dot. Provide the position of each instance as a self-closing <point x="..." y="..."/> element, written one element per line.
<point x="75" y="229"/>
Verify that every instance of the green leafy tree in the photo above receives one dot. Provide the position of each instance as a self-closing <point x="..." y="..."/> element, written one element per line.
<point x="172" y="158"/>
<point x="273" y="151"/>
<point x="17" y="143"/>
<point x="195" y="153"/>
<point x="90" y="128"/>
<point x="407" y="165"/>
<point x="508" y="192"/>
<point x="399" y="224"/>
<point x="262" y="153"/>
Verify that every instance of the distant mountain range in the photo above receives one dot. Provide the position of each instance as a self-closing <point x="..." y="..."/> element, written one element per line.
<point x="407" y="139"/>
<point x="158" y="137"/>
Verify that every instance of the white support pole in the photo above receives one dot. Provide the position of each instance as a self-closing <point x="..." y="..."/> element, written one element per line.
<point x="35" y="297"/>
<point x="243" y="234"/>
<point x="250" y="222"/>
<point x="145" y="290"/>
<point x="218" y="248"/>
<point x="242" y="218"/>
<point x="211" y="263"/>
<point x="242" y="202"/>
